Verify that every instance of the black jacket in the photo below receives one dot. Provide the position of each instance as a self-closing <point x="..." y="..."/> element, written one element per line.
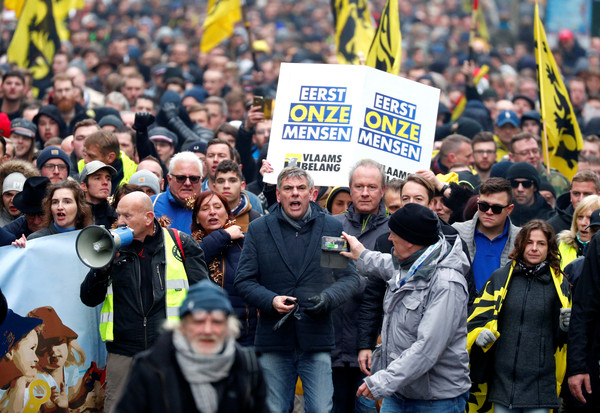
<point x="564" y="213"/>
<point x="584" y="329"/>
<point x="134" y="329"/>
<point x="540" y="209"/>
<point x="277" y="260"/>
<point x="103" y="214"/>
<point x="156" y="384"/>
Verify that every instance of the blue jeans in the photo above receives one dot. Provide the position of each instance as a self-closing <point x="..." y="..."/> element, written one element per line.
<point x="397" y="404"/>
<point x="281" y="371"/>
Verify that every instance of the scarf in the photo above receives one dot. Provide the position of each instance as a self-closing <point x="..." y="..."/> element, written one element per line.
<point x="417" y="259"/>
<point x="216" y="267"/>
<point x="201" y="370"/>
<point x="534" y="271"/>
<point x="297" y="223"/>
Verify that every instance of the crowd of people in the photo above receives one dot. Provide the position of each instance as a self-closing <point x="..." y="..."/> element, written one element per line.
<point x="455" y="292"/>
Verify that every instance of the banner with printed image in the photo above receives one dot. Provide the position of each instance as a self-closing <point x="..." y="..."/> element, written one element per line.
<point x="328" y="117"/>
<point x="50" y="348"/>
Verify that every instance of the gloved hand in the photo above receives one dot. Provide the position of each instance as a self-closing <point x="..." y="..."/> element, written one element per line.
<point x="564" y="319"/>
<point x="320" y="304"/>
<point x="170" y="110"/>
<point x="485" y="337"/>
<point x="142" y="121"/>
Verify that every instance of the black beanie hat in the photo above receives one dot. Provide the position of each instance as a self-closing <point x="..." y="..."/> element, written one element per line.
<point x="524" y="170"/>
<point x="416" y="224"/>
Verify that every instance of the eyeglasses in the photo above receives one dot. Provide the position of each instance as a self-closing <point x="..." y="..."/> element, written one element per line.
<point x="52" y="166"/>
<point x="526" y="184"/>
<point x="496" y="209"/>
<point x="194" y="179"/>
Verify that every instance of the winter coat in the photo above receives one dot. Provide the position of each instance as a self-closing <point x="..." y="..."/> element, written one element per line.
<point x="157" y="385"/>
<point x="540" y="209"/>
<point x="135" y="330"/>
<point x="564" y="214"/>
<point x="220" y="250"/>
<point x="345" y="318"/>
<point x="466" y="230"/>
<point x="269" y="267"/>
<point x="423" y="339"/>
<point x="165" y="204"/>
<point x="533" y="352"/>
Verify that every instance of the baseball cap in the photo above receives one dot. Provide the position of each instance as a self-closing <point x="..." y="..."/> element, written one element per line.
<point x="507" y="117"/>
<point x="93" y="167"/>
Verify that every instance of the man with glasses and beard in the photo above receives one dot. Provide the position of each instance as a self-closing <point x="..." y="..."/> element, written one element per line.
<point x="185" y="183"/>
<point x="490" y="235"/>
<point x="529" y="204"/>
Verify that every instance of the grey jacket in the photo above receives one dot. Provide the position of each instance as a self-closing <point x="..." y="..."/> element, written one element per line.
<point x="466" y="231"/>
<point x="423" y="353"/>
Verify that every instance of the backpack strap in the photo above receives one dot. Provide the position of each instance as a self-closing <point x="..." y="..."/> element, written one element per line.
<point x="250" y="363"/>
<point x="175" y="235"/>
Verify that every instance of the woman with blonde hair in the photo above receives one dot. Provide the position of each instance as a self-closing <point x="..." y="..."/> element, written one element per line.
<point x="571" y="242"/>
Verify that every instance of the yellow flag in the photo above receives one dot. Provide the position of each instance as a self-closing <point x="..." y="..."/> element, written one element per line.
<point x="386" y="50"/>
<point x="353" y="29"/>
<point x="40" y="29"/>
<point x="563" y="135"/>
<point x="35" y="39"/>
<point x="220" y="21"/>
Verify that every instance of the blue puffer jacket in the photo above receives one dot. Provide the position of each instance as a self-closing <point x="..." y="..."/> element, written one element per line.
<point x="165" y="204"/>
<point x="274" y="263"/>
<point x="218" y="245"/>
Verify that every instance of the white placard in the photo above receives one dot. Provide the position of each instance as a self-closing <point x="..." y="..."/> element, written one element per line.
<point x="328" y="117"/>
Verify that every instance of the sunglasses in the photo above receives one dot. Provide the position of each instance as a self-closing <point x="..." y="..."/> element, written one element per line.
<point x="194" y="179"/>
<point x="496" y="209"/>
<point x="526" y="184"/>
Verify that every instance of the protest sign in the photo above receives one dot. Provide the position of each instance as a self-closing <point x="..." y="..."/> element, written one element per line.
<point x="41" y="282"/>
<point x="328" y="117"/>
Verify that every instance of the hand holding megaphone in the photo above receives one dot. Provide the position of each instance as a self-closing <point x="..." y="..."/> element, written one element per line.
<point x="97" y="247"/>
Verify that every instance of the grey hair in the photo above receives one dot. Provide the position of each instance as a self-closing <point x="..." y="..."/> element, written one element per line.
<point x="219" y="101"/>
<point x="118" y="99"/>
<point x="368" y="163"/>
<point x="233" y="326"/>
<point x="185" y="156"/>
<point x="294" y="172"/>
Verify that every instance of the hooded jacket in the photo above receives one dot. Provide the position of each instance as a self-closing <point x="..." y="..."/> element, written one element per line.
<point x="53" y="113"/>
<point x="564" y="213"/>
<point x="423" y="352"/>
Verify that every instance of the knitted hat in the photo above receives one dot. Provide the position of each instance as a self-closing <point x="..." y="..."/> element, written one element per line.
<point x="334" y="192"/>
<point x="523" y="170"/>
<point x="13" y="182"/>
<point x="194" y="146"/>
<point x="205" y="296"/>
<point x="52" y="152"/>
<point x="147" y="179"/>
<point x="415" y="224"/>
<point x="111" y="120"/>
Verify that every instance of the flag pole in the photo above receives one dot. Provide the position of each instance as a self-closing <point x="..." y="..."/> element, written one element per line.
<point x="249" y="32"/>
<point x="544" y="130"/>
<point x="473" y="28"/>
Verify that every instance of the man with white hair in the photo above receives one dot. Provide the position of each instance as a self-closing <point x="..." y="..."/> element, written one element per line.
<point x="185" y="183"/>
<point x="143" y="286"/>
<point x="198" y="366"/>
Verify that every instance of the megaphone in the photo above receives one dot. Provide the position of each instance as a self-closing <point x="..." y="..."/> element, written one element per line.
<point x="96" y="246"/>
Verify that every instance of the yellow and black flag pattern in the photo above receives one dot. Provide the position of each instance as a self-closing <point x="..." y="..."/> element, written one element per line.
<point x="40" y="29"/>
<point x="564" y="136"/>
<point x="353" y="29"/>
<point x="220" y="22"/>
<point x="36" y="38"/>
<point x="386" y="50"/>
<point x="484" y="315"/>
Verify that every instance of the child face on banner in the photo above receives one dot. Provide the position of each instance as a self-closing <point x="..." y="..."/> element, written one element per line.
<point x="23" y="354"/>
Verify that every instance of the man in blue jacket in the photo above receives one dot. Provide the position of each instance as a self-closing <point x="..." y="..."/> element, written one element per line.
<point x="279" y="272"/>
